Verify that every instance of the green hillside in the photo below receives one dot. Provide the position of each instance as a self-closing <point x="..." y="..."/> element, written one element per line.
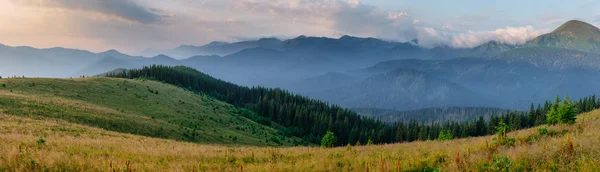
<point x="574" y="34"/>
<point x="139" y="107"/>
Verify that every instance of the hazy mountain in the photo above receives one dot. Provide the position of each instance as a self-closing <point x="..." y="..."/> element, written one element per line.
<point x="402" y="89"/>
<point x="490" y="48"/>
<point x="513" y="77"/>
<point x="574" y="34"/>
<point x="217" y="48"/>
<point x="51" y="62"/>
<point x="324" y="82"/>
<point x="364" y="72"/>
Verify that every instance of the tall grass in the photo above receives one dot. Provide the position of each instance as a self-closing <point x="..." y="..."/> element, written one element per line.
<point x="72" y="147"/>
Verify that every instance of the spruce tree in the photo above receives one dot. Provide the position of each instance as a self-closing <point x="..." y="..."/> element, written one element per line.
<point x="552" y="116"/>
<point x="567" y="112"/>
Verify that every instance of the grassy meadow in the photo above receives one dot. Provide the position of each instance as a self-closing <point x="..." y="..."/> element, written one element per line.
<point x="140" y="107"/>
<point x="73" y="147"/>
<point x="47" y="128"/>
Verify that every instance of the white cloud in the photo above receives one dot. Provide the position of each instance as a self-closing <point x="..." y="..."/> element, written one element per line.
<point x="394" y="16"/>
<point x="429" y="37"/>
<point x="353" y="3"/>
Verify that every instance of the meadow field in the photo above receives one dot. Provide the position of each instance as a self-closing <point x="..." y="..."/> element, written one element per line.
<point x="56" y="145"/>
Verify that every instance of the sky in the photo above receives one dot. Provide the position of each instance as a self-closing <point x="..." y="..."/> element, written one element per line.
<point x="131" y="26"/>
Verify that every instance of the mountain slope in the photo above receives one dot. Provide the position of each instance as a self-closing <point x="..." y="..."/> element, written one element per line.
<point x="401" y="89"/>
<point x="218" y="48"/>
<point x="136" y="106"/>
<point x="490" y="48"/>
<point x="574" y="34"/>
<point x="303" y="117"/>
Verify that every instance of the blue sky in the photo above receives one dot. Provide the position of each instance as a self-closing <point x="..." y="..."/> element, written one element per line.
<point x="134" y="25"/>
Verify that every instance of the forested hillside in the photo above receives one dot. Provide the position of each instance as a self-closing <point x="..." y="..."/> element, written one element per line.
<point x="429" y="115"/>
<point x="311" y="119"/>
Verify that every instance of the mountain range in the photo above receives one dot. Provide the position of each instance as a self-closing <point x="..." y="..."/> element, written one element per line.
<point x="364" y="72"/>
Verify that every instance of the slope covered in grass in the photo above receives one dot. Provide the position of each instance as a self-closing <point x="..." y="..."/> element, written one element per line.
<point x="72" y="147"/>
<point x="136" y="106"/>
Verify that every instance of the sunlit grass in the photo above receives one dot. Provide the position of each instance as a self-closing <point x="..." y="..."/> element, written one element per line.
<point x="75" y="147"/>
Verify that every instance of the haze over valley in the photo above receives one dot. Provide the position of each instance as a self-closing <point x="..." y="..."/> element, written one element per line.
<point x="365" y="72"/>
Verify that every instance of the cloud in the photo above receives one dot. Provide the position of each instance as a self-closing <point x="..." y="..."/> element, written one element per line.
<point x="134" y="25"/>
<point x="353" y="3"/>
<point x="368" y="21"/>
<point x="123" y="9"/>
<point x="430" y="37"/>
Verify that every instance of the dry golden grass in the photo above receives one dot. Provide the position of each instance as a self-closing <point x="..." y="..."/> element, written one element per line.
<point x="71" y="147"/>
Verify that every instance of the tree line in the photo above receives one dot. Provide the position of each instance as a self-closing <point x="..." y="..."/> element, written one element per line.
<point x="311" y="119"/>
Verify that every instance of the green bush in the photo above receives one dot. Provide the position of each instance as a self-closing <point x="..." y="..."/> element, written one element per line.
<point x="329" y="140"/>
<point x="501" y="135"/>
<point x="498" y="164"/>
<point x="445" y="135"/>
<point x="41" y="141"/>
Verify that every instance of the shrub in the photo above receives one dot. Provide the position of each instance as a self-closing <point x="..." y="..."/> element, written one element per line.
<point x="445" y="135"/>
<point x="41" y="141"/>
<point x="498" y="164"/>
<point x="542" y="131"/>
<point x="501" y="136"/>
<point x="329" y="140"/>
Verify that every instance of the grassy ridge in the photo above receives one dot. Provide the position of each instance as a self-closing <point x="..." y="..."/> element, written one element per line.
<point x="74" y="147"/>
<point x="136" y="106"/>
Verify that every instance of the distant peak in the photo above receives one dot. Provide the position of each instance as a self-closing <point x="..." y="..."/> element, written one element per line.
<point x="576" y="22"/>
<point x="347" y="37"/>
<point x="216" y="43"/>
<point x="269" y="39"/>
<point x="162" y="56"/>
<point x="112" y="51"/>
<point x="301" y="37"/>
<point x="576" y="26"/>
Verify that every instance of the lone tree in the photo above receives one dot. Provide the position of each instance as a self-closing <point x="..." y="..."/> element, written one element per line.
<point x="329" y="140"/>
<point x="563" y="113"/>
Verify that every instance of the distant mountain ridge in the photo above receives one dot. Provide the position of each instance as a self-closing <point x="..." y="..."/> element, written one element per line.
<point x="358" y="70"/>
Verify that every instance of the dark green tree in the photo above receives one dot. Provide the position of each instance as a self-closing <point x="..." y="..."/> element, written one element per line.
<point x="553" y="114"/>
<point x="567" y="112"/>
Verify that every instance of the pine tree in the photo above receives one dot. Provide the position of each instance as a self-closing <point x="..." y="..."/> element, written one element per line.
<point x="553" y="114"/>
<point x="567" y="112"/>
